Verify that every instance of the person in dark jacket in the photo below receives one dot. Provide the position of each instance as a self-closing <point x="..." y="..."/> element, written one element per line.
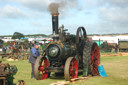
<point x="33" y="56"/>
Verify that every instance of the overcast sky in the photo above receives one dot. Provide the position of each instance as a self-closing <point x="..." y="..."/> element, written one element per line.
<point x="33" y="17"/>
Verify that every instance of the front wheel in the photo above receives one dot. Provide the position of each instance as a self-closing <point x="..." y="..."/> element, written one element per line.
<point x="40" y="72"/>
<point x="71" y="68"/>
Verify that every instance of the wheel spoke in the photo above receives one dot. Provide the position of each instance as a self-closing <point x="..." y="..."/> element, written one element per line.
<point x="41" y="64"/>
<point x="41" y="68"/>
<point x="95" y="70"/>
<point x="81" y="33"/>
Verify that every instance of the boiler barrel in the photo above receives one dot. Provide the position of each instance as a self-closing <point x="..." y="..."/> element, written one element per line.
<point x="55" y="51"/>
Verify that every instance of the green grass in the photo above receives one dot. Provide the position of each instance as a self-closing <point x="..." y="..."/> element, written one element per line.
<point x="116" y="68"/>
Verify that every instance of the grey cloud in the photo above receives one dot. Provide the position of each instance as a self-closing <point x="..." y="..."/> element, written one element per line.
<point x="110" y="27"/>
<point x="114" y="14"/>
<point x="40" y="5"/>
<point x="101" y="3"/>
<point x="113" y="20"/>
<point x="103" y="27"/>
<point x="12" y="12"/>
<point x="91" y="3"/>
<point x="119" y="3"/>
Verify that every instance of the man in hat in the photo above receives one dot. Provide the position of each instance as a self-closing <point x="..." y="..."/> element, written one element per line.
<point x="33" y="56"/>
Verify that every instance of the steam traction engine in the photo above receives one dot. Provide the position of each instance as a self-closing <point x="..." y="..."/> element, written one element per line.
<point x="68" y="54"/>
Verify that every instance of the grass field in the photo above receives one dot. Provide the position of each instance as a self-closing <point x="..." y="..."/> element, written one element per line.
<point x="116" y="68"/>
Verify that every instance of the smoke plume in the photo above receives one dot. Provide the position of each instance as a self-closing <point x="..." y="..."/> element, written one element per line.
<point x="62" y="5"/>
<point x="53" y="8"/>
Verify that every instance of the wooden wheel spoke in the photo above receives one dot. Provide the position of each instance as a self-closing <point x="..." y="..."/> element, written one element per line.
<point x="41" y="68"/>
<point x="41" y="65"/>
<point x="96" y="70"/>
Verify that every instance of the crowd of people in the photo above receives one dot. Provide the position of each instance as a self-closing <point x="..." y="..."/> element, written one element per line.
<point x="21" y="47"/>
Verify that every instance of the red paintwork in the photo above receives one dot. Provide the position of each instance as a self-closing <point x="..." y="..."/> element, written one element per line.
<point x="74" y="65"/>
<point x="42" y="72"/>
<point x="95" y="53"/>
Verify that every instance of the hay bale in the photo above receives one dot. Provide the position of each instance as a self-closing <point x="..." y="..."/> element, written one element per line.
<point x="10" y="59"/>
<point x="60" y="83"/>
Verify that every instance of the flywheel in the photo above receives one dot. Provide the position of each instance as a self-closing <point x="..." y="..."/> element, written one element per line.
<point x="81" y="38"/>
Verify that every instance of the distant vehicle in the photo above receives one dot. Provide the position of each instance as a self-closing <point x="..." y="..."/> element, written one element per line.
<point x="123" y="45"/>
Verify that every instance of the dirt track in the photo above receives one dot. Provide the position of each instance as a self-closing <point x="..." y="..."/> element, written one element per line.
<point x="116" y="54"/>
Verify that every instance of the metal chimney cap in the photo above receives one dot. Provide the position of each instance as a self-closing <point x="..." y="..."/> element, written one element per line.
<point x="55" y="14"/>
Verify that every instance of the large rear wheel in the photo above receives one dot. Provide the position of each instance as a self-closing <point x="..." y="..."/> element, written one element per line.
<point x="94" y="60"/>
<point x="71" y="68"/>
<point x="91" y="59"/>
<point x="86" y="55"/>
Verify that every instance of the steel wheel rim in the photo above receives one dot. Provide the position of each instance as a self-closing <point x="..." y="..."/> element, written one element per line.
<point x="42" y="72"/>
<point x="95" y="59"/>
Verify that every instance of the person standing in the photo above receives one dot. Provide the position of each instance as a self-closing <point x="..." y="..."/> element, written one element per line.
<point x="34" y="53"/>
